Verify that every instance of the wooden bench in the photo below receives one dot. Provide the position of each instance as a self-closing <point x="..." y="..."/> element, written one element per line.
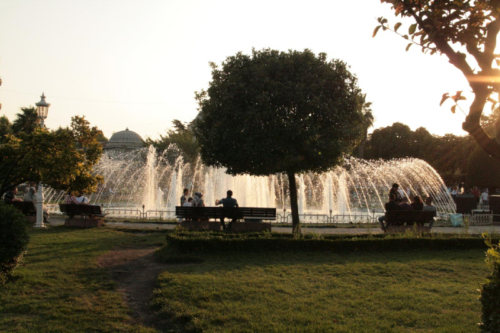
<point x="90" y="215"/>
<point x="403" y="220"/>
<point x="26" y="207"/>
<point x="250" y="215"/>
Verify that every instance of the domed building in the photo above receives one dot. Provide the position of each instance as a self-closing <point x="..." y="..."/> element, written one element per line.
<point x="124" y="141"/>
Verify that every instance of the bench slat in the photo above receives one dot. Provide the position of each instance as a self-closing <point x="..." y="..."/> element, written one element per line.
<point x="219" y="212"/>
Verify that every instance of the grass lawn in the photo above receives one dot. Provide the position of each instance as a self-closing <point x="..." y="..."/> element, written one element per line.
<point x="59" y="288"/>
<point x="324" y="292"/>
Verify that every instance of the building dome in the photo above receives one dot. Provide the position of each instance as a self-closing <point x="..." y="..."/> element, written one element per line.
<point x="125" y="140"/>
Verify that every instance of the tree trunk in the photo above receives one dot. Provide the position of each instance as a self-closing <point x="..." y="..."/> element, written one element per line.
<point x="361" y="149"/>
<point x="294" y="203"/>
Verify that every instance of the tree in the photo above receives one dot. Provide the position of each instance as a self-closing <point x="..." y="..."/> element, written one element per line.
<point x="5" y="128"/>
<point x="279" y="112"/>
<point x="182" y="136"/>
<point x="466" y="33"/>
<point x="26" y="121"/>
<point x="63" y="158"/>
<point x="368" y="120"/>
<point x="391" y="142"/>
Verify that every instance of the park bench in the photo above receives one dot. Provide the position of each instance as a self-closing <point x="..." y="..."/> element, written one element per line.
<point x="91" y="215"/>
<point x="26" y="207"/>
<point x="403" y="220"/>
<point x="197" y="218"/>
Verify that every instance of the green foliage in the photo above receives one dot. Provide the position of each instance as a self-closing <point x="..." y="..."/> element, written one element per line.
<point x="182" y="137"/>
<point x="447" y="154"/>
<point x="206" y="242"/>
<point x="466" y="33"/>
<point x="14" y="240"/>
<point x="5" y="128"/>
<point x="26" y="121"/>
<point x="490" y="291"/>
<point x="482" y="170"/>
<point x="63" y="158"/>
<point x="279" y="112"/>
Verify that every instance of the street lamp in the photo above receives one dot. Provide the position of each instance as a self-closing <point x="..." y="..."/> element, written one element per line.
<point x="42" y="109"/>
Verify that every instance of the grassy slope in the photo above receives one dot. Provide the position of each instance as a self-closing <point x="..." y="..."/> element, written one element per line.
<point x="316" y="292"/>
<point x="59" y="287"/>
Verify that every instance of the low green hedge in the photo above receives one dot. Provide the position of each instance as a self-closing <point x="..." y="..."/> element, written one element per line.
<point x="190" y="242"/>
<point x="14" y="240"/>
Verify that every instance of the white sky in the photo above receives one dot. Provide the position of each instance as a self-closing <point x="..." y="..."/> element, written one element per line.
<point x="147" y="58"/>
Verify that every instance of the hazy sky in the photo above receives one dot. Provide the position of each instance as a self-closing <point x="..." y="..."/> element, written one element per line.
<point x="137" y="64"/>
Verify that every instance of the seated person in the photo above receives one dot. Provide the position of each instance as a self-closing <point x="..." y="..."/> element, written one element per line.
<point x="428" y="205"/>
<point x="71" y="200"/>
<point x="404" y="205"/>
<point x="188" y="203"/>
<point x="417" y="203"/>
<point x="228" y="202"/>
<point x="83" y="199"/>
<point x="10" y="196"/>
<point x="391" y="205"/>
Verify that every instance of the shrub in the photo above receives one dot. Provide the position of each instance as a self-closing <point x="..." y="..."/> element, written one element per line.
<point x="490" y="292"/>
<point x="14" y="240"/>
<point x="192" y="242"/>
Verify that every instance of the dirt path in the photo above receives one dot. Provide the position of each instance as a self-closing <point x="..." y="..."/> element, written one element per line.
<point x="136" y="272"/>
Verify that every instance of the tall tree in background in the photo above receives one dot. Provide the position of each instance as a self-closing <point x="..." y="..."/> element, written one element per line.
<point x="182" y="136"/>
<point x="466" y="33"/>
<point x="368" y="120"/>
<point x="26" y="121"/>
<point x="5" y="128"/>
<point x="279" y="112"/>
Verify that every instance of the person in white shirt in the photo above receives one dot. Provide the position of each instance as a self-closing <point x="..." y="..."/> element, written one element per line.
<point x="82" y="199"/>
<point x="188" y="202"/>
<point x="485" y="197"/>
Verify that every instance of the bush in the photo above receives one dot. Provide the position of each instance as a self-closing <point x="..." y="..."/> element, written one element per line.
<point x="192" y="242"/>
<point x="490" y="292"/>
<point x="14" y="240"/>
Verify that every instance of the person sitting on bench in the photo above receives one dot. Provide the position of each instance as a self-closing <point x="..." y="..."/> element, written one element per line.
<point x="391" y="205"/>
<point x="71" y="200"/>
<point x="428" y="205"/>
<point x="228" y="202"/>
<point x="10" y="196"/>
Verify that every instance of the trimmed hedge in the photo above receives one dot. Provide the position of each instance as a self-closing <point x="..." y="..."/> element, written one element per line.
<point x="14" y="240"/>
<point x="219" y="242"/>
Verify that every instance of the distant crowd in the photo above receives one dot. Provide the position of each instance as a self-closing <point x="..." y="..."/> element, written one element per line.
<point x="482" y="197"/>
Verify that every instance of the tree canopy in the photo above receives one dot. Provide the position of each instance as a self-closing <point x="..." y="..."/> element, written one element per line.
<point x="279" y="112"/>
<point x="182" y="136"/>
<point x="26" y="121"/>
<point x="447" y="154"/>
<point x="466" y="33"/>
<point x="63" y="158"/>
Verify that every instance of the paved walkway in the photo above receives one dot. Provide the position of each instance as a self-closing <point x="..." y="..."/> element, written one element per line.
<point x="305" y="229"/>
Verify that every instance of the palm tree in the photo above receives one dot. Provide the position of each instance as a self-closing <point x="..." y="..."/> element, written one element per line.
<point x="27" y="121"/>
<point x="367" y="123"/>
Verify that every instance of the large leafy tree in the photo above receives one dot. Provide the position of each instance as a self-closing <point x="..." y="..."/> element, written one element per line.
<point x="279" y="112"/>
<point x="63" y="158"/>
<point x="466" y="33"/>
<point x="26" y="121"/>
<point x="368" y="120"/>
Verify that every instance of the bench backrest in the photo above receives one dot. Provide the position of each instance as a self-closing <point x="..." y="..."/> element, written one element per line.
<point x="71" y="209"/>
<point x="218" y="212"/>
<point x="27" y="207"/>
<point x="409" y="216"/>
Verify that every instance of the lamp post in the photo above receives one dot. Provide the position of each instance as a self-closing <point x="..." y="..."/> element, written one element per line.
<point x="39" y="207"/>
<point x="42" y="109"/>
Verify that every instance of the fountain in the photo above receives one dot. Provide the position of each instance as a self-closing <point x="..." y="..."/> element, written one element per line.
<point x="359" y="187"/>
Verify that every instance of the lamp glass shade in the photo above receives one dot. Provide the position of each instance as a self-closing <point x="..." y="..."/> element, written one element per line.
<point x="42" y="111"/>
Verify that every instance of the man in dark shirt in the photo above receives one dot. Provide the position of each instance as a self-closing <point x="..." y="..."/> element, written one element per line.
<point x="228" y="202"/>
<point x="391" y="205"/>
<point x="11" y="196"/>
<point x="185" y="196"/>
